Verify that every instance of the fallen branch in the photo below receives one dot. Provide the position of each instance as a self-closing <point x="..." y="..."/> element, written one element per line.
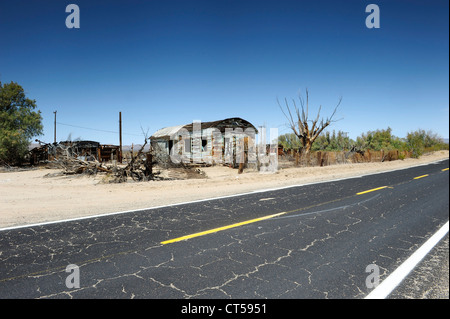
<point x="72" y="165"/>
<point x="139" y="168"/>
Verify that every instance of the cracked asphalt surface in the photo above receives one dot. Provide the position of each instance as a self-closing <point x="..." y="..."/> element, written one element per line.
<point x="319" y="248"/>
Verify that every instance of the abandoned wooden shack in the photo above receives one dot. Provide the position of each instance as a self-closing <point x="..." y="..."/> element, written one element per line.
<point x="216" y="142"/>
<point x="86" y="150"/>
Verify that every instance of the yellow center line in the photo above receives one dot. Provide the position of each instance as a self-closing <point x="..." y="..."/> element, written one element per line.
<point x="445" y="169"/>
<point x="421" y="176"/>
<point x="371" y="190"/>
<point x="214" y="230"/>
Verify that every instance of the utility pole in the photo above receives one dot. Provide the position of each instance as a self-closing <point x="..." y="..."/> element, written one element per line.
<point x="120" y="137"/>
<point x="55" y="127"/>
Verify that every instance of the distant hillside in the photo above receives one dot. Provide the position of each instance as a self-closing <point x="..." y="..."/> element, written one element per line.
<point x="136" y="147"/>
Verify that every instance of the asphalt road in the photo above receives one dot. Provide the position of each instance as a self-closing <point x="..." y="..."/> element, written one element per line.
<point x="311" y="241"/>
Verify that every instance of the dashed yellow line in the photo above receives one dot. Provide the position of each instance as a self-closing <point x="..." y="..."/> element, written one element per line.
<point x="445" y="169"/>
<point x="214" y="230"/>
<point x="371" y="190"/>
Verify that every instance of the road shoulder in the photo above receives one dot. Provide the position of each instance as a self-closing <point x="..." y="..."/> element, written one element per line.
<point x="430" y="279"/>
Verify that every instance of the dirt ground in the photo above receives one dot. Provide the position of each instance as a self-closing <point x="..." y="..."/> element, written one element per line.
<point x="35" y="196"/>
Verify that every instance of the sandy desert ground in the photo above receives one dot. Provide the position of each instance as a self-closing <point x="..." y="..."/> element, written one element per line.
<point x="35" y="196"/>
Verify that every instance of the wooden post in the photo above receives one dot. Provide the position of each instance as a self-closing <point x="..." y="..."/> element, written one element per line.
<point x="241" y="168"/>
<point x="120" y="138"/>
<point x="55" y="128"/>
<point x="148" y="165"/>
<point x="321" y="158"/>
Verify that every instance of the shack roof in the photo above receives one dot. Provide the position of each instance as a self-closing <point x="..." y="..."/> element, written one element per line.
<point x="220" y="125"/>
<point x="167" y="131"/>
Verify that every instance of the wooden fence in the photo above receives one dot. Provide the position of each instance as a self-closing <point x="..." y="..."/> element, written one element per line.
<point x="322" y="158"/>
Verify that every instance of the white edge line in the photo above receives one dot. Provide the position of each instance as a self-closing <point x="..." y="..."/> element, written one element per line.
<point x="393" y="280"/>
<point x="212" y="198"/>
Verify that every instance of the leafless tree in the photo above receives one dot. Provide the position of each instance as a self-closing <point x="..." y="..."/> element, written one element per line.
<point x="306" y="130"/>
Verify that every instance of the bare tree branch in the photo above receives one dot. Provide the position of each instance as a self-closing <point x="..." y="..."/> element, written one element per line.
<point x="306" y="134"/>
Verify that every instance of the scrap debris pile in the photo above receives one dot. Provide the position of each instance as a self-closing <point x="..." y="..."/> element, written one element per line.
<point x="90" y="158"/>
<point x="138" y="168"/>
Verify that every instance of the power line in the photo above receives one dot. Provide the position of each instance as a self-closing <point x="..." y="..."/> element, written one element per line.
<point x="98" y="130"/>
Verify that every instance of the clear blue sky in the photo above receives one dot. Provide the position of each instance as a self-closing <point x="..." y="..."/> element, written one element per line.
<point x="164" y="63"/>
